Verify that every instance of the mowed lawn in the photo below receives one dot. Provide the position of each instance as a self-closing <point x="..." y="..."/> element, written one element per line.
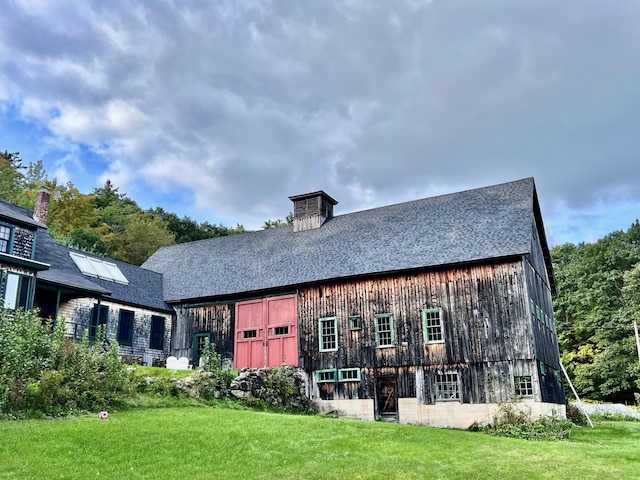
<point x="200" y="442"/>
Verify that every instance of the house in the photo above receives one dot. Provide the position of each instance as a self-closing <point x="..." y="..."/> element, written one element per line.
<point x="86" y="290"/>
<point x="431" y="312"/>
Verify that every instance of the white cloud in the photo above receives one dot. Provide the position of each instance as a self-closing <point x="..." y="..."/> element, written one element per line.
<point x="236" y="105"/>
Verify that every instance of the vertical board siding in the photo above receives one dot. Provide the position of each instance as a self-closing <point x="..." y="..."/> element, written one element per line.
<point x="485" y="315"/>
<point x="218" y="320"/>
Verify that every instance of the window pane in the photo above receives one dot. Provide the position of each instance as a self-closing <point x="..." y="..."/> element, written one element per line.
<point x="432" y="322"/>
<point x="447" y="386"/>
<point x="11" y="290"/>
<point x="328" y="334"/>
<point x="384" y="331"/>
<point x="5" y="237"/>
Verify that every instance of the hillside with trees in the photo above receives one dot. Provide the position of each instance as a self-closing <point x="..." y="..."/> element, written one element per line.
<point x="105" y="221"/>
<point x="598" y="283"/>
<point x="597" y="302"/>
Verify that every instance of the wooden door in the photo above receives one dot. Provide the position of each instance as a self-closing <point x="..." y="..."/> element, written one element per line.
<point x="266" y="332"/>
<point x="249" y="334"/>
<point x="386" y="396"/>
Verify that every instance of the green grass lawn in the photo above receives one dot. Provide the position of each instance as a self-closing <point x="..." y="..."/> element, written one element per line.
<point x="201" y="442"/>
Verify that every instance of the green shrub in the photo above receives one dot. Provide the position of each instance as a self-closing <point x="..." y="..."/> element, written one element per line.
<point x="45" y="374"/>
<point x="514" y="422"/>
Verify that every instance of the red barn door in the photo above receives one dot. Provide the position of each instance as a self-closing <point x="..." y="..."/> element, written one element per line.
<point x="266" y="332"/>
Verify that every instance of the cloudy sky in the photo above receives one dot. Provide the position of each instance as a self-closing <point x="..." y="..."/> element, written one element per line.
<point x="222" y="109"/>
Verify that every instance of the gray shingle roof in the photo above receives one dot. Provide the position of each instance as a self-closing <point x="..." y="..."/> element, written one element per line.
<point x="469" y="226"/>
<point x="144" y="289"/>
<point x="18" y="214"/>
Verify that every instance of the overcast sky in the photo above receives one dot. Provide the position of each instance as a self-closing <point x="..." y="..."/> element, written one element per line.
<point x="220" y="110"/>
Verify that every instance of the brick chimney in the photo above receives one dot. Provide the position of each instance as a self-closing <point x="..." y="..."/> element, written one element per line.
<point x="41" y="209"/>
<point x="311" y="210"/>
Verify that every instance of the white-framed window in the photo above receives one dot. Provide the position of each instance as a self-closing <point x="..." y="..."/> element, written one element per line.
<point x="523" y="386"/>
<point x="384" y="330"/>
<point x="447" y="387"/>
<point x="432" y="325"/>
<point x="328" y="334"/>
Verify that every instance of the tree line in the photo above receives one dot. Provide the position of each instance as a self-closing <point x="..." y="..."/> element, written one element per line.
<point x="597" y="302"/>
<point x="105" y="221"/>
<point x="598" y="283"/>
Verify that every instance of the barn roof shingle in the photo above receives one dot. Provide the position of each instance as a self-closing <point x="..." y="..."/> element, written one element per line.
<point x="463" y="227"/>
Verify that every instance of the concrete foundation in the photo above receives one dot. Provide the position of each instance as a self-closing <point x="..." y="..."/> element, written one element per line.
<point x="443" y="414"/>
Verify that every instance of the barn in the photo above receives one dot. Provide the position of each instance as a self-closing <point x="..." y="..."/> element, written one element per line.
<point x="430" y="312"/>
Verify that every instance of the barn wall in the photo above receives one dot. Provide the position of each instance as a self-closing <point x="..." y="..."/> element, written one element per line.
<point x="543" y="324"/>
<point x="216" y="319"/>
<point x="488" y="337"/>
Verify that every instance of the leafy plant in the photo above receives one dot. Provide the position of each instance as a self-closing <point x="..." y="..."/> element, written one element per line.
<point x="514" y="422"/>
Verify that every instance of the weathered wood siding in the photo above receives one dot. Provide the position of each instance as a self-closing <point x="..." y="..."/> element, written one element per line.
<point x="215" y="319"/>
<point x="543" y="324"/>
<point x="487" y="331"/>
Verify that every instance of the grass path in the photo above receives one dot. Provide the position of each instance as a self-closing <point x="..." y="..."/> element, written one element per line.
<point x="199" y="443"/>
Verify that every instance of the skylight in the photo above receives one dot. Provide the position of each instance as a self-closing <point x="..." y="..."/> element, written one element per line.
<point x="95" y="267"/>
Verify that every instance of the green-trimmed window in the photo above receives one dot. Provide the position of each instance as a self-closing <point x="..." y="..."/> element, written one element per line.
<point x="16" y="291"/>
<point x="328" y="334"/>
<point x="125" y="327"/>
<point x="326" y="376"/>
<point x="198" y="346"/>
<point x="384" y="330"/>
<point x="349" y="375"/>
<point x="524" y="386"/>
<point x="99" y="316"/>
<point x="6" y="235"/>
<point x="447" y="387"/>
<point x="432" y="325"/>
<point x="156" y="340"/>
<point x="355" y="322"/>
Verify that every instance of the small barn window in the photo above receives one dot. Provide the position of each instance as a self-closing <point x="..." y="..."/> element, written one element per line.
<point x="349" y="375"/>
<point x="281" y="330"/>
<point x="355" y="322"/>
<point x="326" y="376"/>
<point x="384" y="330"/>
<point x="125" y="327"/>
<point x="249" y="334"/>
<point x="432" y="325"/>
<point x="328" y="334"/>
<point x="447" y="386"/>
<point x="524" y="386"/>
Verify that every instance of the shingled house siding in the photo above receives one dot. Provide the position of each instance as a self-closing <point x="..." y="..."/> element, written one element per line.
<point x="77" y="314"/>
<point x="216" y="319"/>
<point x="23" y="240"/>
<point x="486" y="329"/>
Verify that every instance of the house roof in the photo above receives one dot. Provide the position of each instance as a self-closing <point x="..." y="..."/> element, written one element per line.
<point x="17" y="214"/>
<point x="144" y="288"/>
<point x="470" y="226"/>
